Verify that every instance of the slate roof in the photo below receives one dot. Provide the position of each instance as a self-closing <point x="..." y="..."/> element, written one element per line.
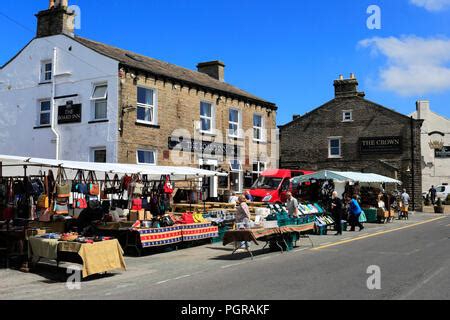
<point x="171" y="71"/>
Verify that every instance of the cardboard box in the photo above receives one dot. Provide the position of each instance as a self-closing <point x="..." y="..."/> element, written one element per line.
<point x="137" y="215"/>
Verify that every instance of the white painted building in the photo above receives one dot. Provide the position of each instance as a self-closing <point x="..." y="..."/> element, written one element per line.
<point x="50" y="72"/>
<point x="435" y="139"/>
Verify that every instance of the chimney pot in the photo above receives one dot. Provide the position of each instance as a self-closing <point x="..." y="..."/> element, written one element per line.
<point x="56" y="20"/>
<point x="347" y="87"/>
<point x="341" y="77"/>
<point x="214" y="69"/>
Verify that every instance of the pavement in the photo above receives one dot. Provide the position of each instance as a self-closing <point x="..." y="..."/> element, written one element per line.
<point x="411" y="258"/>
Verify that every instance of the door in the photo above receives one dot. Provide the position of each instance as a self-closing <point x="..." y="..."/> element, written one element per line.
<point x="211" y="183"/>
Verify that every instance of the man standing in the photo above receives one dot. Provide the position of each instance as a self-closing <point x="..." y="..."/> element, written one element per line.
<point x="336" y="210"/>
<point x="405" y="204"/>
<point x="292" y="205"/>
<point x="433" y="192"/>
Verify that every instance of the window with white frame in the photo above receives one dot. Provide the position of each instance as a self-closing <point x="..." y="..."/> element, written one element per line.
<point x="206" y="117"/>
<point x="100" y="102"/>
<point x="258" y="127"/>
<point x="98" y="155"/>
<point x="334" y="147"/>
<point x="235" y="123"/>
<point x="46" y="71"/>
<point x="146" y="157"/>
<point x="236" y="175"/>
<point x="146" y="105"/>
<point x="347" y="116"/>
<point x="258" y="168"/>
<point x="44" y="114"/>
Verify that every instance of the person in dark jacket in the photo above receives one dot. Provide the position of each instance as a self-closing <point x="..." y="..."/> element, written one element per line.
<point x="337" y="212"/>
<point x="433" y="192"/>
<point x="94" y="212"/>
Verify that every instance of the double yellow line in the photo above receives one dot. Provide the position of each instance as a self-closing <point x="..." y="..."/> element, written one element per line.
<point x="376" y="234"/>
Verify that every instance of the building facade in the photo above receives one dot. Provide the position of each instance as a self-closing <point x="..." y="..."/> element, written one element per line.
<point x="351" y="133"/>
<point x="435" y="137"/>
<point x="71" y="98"/>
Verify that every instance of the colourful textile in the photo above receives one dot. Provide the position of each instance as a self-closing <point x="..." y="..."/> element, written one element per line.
<point x="160" y="236"/>
<point x="199" y="231"/>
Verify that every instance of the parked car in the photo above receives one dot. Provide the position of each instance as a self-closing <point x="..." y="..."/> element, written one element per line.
<point x="273" y="185"/>
<point x="442" y="192"/>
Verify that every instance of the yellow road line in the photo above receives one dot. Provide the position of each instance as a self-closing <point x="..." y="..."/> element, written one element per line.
<point x="375" y="234"/>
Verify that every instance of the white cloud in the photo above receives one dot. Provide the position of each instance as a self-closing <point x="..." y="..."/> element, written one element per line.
<point x="415" y="66"/>
<point x="432" y="5"/>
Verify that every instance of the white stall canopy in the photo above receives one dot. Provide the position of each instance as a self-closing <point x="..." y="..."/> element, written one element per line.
<point x="346" y="177"/>
<point x="13" y="165"/>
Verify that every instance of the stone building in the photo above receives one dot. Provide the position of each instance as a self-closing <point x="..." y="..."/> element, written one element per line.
<point x="351" y="133"/>
<point x="435" y="146"/>
<point x="71" y="98"/>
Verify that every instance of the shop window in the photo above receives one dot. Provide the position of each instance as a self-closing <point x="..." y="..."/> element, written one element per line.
<point x="44" y="113"/>
<point x="234" y="123"/>
<point x="99" y="155"/>
<point x="258" y="127"/>
<point x="100" y="102"/>
<point x="347" y="116"/>
<point x="46" y="71"/>
<point x="334" y="147"/>
<point x="206" y="117"/>
<point x="147" y="106"/>
<point x="146" y="157"/>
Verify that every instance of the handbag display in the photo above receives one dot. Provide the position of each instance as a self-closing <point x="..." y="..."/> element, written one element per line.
<point x="93" y="186"/>
<point x="61" y="208"/>
<point x="63" y="187"/>
<point x="79" y="183"/>
<point x="136" y="204"/>
<point x="168" y="186"/>
<point x="80" y="203"/>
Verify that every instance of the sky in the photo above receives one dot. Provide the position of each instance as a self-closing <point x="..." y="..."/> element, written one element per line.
<point x="288" y="52"/>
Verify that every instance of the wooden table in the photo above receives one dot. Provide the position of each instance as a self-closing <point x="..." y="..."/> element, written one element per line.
<point x="190" y="207"/>
<point x="96" y="258"/>
<point x="276" y="235"/>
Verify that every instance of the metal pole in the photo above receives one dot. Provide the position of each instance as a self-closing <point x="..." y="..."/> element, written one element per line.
<point x="413" y="168"/>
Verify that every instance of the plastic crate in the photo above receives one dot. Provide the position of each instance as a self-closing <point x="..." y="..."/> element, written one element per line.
<point x="371" y="215"/>
<point x="321" y="230"/>
<point x="222" y="232"/>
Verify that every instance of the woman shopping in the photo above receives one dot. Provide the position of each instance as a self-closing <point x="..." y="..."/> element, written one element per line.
<point x="242" y="218"/>
<point x="354" y="213"/>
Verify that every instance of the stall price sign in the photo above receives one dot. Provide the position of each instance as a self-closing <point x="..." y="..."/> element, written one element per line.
<point x="69" y="113"/>
<point x="381" y="145"/>
<point x="443" y="153"/>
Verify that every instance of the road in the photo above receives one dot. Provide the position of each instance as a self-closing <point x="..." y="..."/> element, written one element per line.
<point x="413" y="258"/>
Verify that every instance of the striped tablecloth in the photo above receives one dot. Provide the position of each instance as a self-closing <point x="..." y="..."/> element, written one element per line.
<point x="160" y="236"/>
<point x="199" y="231"/>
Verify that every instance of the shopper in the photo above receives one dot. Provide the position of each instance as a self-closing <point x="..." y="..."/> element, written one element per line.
<point x="248" y="196"/>
<point x="233" y="198"/>
<point x="291" y="205"/>
<point x="405" y="204"/>
<point x="242" y="216"/>
<point x="433" y="192"/>
<point x="337" y="212"/>
<point x="354" y="213"/>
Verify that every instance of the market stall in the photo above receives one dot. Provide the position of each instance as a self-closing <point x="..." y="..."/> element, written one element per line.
<point x="128" y="200"/>
<point x="374" y="191"/>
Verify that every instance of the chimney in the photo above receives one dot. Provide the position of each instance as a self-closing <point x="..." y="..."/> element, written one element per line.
<point x="55" y="20"/>
<point x="214" y="69"/>
<point x="422" y="107"/>
<point x="347" y="87"/>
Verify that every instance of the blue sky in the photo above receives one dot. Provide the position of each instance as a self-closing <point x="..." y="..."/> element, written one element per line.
<point x="287" y="51"/>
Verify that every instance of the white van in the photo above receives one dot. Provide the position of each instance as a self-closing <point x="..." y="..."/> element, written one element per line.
<point x="442" y="192"/>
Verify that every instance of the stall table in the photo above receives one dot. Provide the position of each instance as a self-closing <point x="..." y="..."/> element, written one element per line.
<point x="182" y="207"/>
<point x="96" y="258"/>
<point x="274" y="235"/>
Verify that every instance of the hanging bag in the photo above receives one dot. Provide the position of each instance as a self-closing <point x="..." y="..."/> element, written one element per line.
<point x="93" y="186"/>
<point x="62" y="184"/>
<point x="168" y="186"/>
<point x="137" y="186"/>
<point x="43" y="201"/>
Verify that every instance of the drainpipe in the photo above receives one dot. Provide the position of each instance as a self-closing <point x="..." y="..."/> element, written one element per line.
<point x="53" y="106"/>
